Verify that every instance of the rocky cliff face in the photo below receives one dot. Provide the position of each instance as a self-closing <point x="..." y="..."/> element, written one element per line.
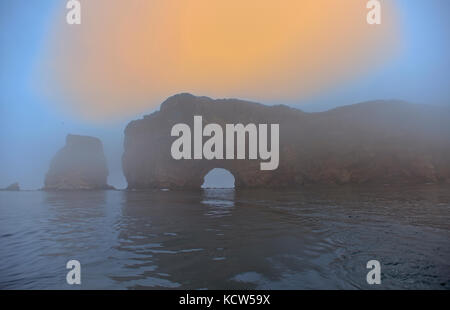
<point x="79" y="165"/>
<point x="372" y="142"/>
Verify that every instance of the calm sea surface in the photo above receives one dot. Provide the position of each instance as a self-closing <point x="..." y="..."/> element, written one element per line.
<point x="316" y="238"/>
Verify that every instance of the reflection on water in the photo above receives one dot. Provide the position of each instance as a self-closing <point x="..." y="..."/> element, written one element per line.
<point x="215" y="239"/>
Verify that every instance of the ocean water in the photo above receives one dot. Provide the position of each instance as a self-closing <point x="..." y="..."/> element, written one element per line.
<point x="314" y="238"/>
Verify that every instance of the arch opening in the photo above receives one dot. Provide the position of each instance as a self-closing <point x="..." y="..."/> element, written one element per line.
<point x="218" y="178"/>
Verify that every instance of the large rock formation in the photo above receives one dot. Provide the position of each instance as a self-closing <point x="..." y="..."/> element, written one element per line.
<point x="79" y="165"/>
<point x="14" y="187"/>
<point x="372" y="142"/>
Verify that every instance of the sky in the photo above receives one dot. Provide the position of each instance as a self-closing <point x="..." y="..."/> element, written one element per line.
<point x="128" y="56"/>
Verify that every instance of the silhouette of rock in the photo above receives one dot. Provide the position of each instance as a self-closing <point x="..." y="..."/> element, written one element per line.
<point x="79" y="165"/>
<point x="372" y="142"/>
<point x="13" y="187"/>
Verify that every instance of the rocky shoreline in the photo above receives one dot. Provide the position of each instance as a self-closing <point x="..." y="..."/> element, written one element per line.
<point x="375" y="142"/>
<point x="379" y="142"/>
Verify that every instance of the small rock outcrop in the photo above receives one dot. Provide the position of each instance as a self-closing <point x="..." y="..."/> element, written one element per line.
<point x="79" y="165"/>
<point x="372" y="142"/>
<point x="15" y="187"/>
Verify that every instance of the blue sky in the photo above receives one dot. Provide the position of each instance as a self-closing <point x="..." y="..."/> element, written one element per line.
<point x="32" y="130"/>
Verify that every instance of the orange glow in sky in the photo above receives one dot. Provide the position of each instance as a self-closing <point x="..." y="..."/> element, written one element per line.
<point x="127" y="56"/>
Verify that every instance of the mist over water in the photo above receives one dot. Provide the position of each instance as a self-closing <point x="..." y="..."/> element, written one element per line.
<point x="318" y="237"/>
<point x="33" y="127"/>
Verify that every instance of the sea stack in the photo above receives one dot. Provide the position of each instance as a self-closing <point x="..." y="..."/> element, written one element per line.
<point x="377" y="142"/>
<point x="79" y="165"/>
